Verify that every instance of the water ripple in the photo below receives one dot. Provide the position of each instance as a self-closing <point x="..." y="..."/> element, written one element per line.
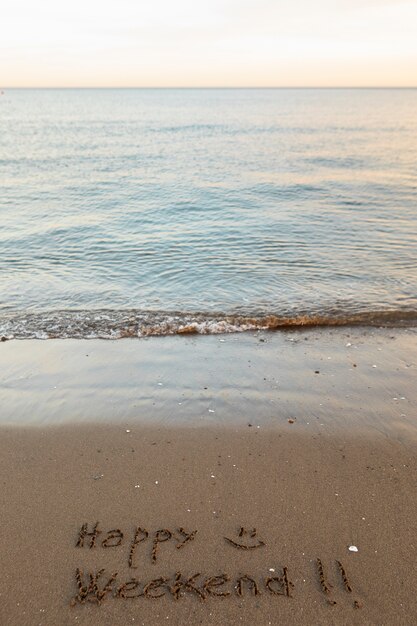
<point x="286" y="205"/>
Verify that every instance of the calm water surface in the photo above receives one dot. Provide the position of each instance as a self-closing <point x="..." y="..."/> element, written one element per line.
<point x="132" y="212"/>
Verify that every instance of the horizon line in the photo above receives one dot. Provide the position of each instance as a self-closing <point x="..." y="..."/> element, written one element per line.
<point x="2" y="88"/>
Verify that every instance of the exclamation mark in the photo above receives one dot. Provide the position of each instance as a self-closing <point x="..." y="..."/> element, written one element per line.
<point x="325" y="586"/>
<point x="346" y="583"/>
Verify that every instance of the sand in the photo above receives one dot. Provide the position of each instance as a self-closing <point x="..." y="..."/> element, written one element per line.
<point x="243" y="466"/>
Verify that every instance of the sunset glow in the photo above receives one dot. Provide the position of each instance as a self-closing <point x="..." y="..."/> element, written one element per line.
<point x="217" y="43"/>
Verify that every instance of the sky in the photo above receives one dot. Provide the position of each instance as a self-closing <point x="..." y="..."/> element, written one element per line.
<point x="208" y="43"/>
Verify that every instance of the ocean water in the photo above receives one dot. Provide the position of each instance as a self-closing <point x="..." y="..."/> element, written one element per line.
<point x="152" y="211"/>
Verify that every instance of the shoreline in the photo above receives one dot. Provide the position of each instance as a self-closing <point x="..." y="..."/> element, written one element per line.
<point x="234" y="491"/>
<point x="314" y="376"/>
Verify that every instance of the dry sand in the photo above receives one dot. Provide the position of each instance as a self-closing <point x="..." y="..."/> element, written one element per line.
<point x="243" y="443"/>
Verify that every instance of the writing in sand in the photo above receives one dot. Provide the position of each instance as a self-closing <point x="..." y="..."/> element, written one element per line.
<point x="99" y="585"/>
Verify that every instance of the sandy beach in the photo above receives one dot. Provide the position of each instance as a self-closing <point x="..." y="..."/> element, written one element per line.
<point x="264" y="478"/>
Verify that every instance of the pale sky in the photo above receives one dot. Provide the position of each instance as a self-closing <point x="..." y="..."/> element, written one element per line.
<point x="162" y="43"/>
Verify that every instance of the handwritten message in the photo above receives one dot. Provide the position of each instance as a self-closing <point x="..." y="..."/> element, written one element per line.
<point x="96" y="586"/>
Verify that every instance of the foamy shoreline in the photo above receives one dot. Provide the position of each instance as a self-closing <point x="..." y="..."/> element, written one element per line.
<point x="138" y="323"/>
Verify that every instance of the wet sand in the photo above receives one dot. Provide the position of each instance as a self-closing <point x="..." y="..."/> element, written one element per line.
<point x="247" y="468"/>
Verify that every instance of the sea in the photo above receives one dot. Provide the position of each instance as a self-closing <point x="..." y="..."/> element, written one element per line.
<point x="138" y="212"/>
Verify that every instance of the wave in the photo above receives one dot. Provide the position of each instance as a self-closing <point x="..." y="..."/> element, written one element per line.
<point x="110" y="324"/>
